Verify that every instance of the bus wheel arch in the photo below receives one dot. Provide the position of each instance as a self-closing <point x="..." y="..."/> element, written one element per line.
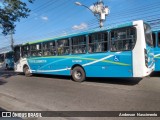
<point x="78" y="73"/>
<point x="26" y="71"/>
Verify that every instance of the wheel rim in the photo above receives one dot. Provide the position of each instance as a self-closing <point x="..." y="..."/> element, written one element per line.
<point x="78" y="75"/>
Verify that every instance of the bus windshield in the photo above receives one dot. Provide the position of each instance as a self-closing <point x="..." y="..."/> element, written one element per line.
<point x="148" y="35"/>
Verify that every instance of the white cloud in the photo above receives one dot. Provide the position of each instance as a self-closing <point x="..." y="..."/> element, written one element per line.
<point x="80" y="27"/>
<point x="44" y="18"/>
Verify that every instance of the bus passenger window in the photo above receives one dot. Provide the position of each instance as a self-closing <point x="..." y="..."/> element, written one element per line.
<point x="63" y="47"/>
<point x="79" y="45"/>
<point x="36" y="49"/>
<point x="46" y="49"/>
<point x="123" y="39"/>
<point x="25" y="51"/>
<point x="49" y="48"/>
<point x="52" y="48"/>
<point x="113" y="47"/>
<point x="98" y="42"/>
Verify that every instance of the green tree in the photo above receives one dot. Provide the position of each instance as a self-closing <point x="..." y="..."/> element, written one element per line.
<point x="12" y="11"/>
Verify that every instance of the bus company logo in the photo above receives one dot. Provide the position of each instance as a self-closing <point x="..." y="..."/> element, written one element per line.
<point x="37" y="61"/>
<point x="6" y="114"/>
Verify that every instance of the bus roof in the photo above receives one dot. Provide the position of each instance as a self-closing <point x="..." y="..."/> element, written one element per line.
<point x="83" y="33"/>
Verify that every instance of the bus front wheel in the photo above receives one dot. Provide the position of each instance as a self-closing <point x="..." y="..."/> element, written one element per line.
<point x="27" y="71"/>
<point x="78" y="74"/>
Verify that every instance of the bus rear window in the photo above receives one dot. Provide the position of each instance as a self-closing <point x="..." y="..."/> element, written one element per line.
<point x="148" y="35"/>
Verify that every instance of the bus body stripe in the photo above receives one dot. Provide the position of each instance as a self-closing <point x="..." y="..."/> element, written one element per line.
<point x="87" y="64"/>
<point x="157" y="56"/>
<point x="90" y="63"/>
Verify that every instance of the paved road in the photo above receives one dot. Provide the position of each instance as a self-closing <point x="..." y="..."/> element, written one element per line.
<point x="52" y="93"/>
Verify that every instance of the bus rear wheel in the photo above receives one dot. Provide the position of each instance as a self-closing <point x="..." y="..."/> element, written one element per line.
<point x="78" y="74"/>
<point x="27" y="71"/>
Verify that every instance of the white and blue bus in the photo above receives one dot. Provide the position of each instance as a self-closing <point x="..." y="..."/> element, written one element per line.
<point x="7" y="59"/>
<point x="122" y="51"/>
<point x="156" y="41"/>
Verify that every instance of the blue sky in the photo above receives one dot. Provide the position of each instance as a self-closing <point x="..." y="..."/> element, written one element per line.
<point x="50" y="18"/>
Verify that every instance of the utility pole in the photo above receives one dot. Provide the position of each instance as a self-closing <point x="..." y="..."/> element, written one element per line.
<point x="99" y="10"/>
<point x="11" y="36"/>
<point x="12" y="40"/>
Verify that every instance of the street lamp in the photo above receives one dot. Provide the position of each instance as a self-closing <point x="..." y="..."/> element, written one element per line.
<point x="79" y="4"/>
<point x="99" y="10"/>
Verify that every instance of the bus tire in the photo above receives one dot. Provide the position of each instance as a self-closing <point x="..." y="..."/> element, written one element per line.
<point x="78" y="74"/>
<point x="26" y="71"/>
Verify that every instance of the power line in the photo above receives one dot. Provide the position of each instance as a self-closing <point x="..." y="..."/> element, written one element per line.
<point x="126" y="14"/>
<point x="108" y="18"/>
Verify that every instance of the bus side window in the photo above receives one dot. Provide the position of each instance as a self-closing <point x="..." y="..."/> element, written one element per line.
<point x="63" y="47"/>
<point x="123" y="39"/>
<point x="49" y="48"/>
<point x="52" y="48"/>
<point x="78" y="45"/>
<point x="98" y="42"/>
<point x="113" y="48"/>
<point x="36" y="49"/>
<point x="46" y="49"/>
<point x="25" y="51"/>
<point x="39" y="49"/>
